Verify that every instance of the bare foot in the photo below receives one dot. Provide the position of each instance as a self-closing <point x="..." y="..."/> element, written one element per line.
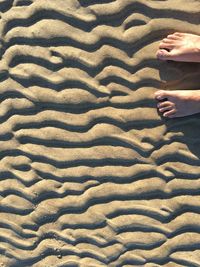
<point x="180" y="47"/>
<point x="178" y="103"/>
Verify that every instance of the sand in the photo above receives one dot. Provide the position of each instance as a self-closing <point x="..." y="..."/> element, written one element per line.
<point x="90" y="173"/>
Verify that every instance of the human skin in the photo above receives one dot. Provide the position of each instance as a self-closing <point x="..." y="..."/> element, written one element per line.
<point x="179" y="47"/>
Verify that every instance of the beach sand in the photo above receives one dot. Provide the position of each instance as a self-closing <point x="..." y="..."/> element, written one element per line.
<point x="90" y="173"/>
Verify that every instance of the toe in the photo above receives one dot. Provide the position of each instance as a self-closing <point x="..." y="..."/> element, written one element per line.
<point x="164" y="109"/>
<point x="170" y="113"/>
<point x="167" y="40"/>
<point x="160" y="95"/>
<point x="173" y="37"/>
<point x="165" y="104"/>
<point x="161" y="110"/>
<point x="166" y="45"/>
<point x="163" y="54"/>
<point x="180" y="34"/>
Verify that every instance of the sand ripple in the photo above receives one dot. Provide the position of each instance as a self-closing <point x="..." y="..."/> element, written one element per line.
<point x="91" y="175"/>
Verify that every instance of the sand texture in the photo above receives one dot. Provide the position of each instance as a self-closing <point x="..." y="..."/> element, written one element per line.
<point x="90" y="174"/>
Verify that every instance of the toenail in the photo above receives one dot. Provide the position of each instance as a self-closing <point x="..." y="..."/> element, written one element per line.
<point x="161" y="53"/>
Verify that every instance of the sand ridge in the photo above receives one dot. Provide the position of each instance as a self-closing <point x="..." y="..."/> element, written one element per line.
<point x="90" y="174"/>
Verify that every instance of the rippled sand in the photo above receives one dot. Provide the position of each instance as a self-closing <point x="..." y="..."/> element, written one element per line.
<point x="90" y="174"/>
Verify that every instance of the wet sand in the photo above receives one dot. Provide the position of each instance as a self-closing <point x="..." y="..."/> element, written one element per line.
<point x="90" y="173"/>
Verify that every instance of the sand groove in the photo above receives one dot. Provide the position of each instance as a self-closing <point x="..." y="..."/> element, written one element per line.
<point x="90" y="175"/>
